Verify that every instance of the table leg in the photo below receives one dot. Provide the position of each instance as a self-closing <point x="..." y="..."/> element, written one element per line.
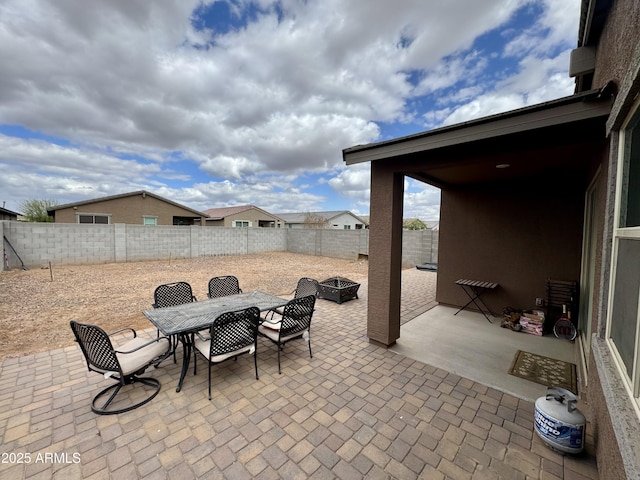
<point x="185" y="338"/>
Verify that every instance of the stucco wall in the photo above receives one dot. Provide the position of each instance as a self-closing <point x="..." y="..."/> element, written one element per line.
<point x="618" y="44"/>
<point x="486" y="231"/>
<point x="614" y="416"/>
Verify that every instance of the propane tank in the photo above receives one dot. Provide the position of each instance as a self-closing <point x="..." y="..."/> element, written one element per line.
<point x="558" y="422"/>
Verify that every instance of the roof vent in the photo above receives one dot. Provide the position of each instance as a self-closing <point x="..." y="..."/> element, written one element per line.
<point x="583" y="60"/>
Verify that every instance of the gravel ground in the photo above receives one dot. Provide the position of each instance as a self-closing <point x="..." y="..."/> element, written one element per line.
<point x="36" y="305"/>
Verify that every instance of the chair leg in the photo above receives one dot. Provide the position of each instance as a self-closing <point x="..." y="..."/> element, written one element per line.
<point x="151" y="382"/>
<point x="116" y="388"/>
<point x="209" y="379"/>
<point x="255" y="362"/>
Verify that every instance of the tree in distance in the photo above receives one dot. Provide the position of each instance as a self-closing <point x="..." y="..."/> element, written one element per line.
<point x="414" y="224"/>
<point x="34" y="210"/>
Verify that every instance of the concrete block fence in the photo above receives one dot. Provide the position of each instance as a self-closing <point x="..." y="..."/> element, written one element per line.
<point x="37" y="244"/>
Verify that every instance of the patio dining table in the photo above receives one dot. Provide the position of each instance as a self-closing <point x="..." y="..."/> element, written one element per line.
<point x="186" y="319"/>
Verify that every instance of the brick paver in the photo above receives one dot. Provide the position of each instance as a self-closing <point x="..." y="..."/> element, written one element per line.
<point x="355" y="410"/>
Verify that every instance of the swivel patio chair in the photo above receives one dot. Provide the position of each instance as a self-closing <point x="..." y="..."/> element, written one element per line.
<point x="124" y="363"/>
<point x="230" y="335"/>
<point x="169" y="295"/>
<point x="223" y="286"/>
<point x="294" y="324"/>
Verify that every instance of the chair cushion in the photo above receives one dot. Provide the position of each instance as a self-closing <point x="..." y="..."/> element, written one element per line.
<point x="271" y="324"/>
<point x="132" y="362"/>
<point x="204" y="347"/>
<point x="275" y="334"/>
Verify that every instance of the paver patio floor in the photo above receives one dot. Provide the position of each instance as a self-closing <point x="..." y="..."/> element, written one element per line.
<point x="354" y="410"/>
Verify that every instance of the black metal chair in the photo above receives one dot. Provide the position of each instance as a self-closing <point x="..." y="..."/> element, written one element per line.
<point x="294" y="324"/>
<point x="169" y="295"/>
<point x="305" y="286"/>
<point x="223" y="286"/>
<point x="230" y="335"/>
<point x="124" y="363"/>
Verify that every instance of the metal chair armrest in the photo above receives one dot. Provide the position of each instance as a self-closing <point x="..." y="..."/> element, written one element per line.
<point x="122" y="330"/>
<point x="153" y="340"/>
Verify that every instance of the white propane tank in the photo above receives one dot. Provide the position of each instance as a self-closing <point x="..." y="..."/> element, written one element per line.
<point x="558" y="422"/>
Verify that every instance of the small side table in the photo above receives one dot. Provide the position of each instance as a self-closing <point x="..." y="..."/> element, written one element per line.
<point x="474" y="290"/>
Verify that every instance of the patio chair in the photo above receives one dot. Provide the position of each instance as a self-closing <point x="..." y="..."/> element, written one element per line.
<point x="230" y="335"/>
<point x="223" y="286"/>
<point x="306" y="286"/>
<point x="295" y="323"/>
<point x="124" y="363"/>
<point x="169" y="295"/>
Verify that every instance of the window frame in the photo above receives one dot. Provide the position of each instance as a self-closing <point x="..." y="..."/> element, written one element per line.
<point x="94" y="215"/>
<point x="622" y="232"/>
<point x="150" y="217"/>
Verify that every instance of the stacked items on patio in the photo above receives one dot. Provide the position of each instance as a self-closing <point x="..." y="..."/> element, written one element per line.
<point x="532" y="322"/>
<point x="511" y="319"/>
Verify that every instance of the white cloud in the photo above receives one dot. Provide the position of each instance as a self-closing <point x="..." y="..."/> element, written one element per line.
<point x="139" y="106"/>
<point x="353" y="182"/>
<point x="421" y="201"/>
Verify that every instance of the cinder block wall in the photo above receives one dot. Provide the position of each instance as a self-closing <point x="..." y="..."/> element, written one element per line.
<point x="419" y="246"/>
<point x="37" y="244"/>
<point x="340" y="243"/>
<point x="303" y="240"/>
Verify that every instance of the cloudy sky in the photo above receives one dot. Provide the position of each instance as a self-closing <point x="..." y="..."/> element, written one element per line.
<point x="235" y="102"/>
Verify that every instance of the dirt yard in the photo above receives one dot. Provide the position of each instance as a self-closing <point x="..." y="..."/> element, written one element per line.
<point x="36" y="305"/>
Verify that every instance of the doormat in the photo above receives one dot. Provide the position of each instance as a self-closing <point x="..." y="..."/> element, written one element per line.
<point x="545" y="371"/>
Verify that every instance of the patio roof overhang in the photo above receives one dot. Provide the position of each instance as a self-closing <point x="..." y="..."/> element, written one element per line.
<point x="551" y="136"/>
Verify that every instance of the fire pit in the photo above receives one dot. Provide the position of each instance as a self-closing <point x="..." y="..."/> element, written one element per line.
<point x="338" y="289"/>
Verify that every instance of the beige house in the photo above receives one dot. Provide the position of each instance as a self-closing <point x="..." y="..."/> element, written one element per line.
<point x="242" y="216"/>
<point x="136" y="208"/>
<point x="547" y="191"/>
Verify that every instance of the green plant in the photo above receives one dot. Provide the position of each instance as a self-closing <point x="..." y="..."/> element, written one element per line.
<point x="35" y="210"/>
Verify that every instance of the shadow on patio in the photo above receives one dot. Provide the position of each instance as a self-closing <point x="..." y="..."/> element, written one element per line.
<point x="355" y="410"/>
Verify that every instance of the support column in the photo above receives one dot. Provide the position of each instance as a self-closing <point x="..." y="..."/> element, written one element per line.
<point x="385" y="254"/>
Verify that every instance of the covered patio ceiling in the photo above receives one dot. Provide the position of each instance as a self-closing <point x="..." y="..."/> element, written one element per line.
<point x="531" y="142"/>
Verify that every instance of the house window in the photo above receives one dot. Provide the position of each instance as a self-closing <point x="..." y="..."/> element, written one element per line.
<point x="241" y="224"/>
<point x="149" y="220"/>
<point x="623" y="326"/>
<point x="347" y="227"/>
<point x="92" y="218"/>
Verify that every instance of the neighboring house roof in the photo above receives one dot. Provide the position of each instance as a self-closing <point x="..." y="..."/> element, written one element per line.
<point x="8" y="212"/>
<point x="300" y="217"/>
<point x="223" y="212"/>
<point x="123" y="195"/>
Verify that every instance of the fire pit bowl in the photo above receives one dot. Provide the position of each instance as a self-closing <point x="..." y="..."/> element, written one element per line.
<point x="338" y="289"/>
